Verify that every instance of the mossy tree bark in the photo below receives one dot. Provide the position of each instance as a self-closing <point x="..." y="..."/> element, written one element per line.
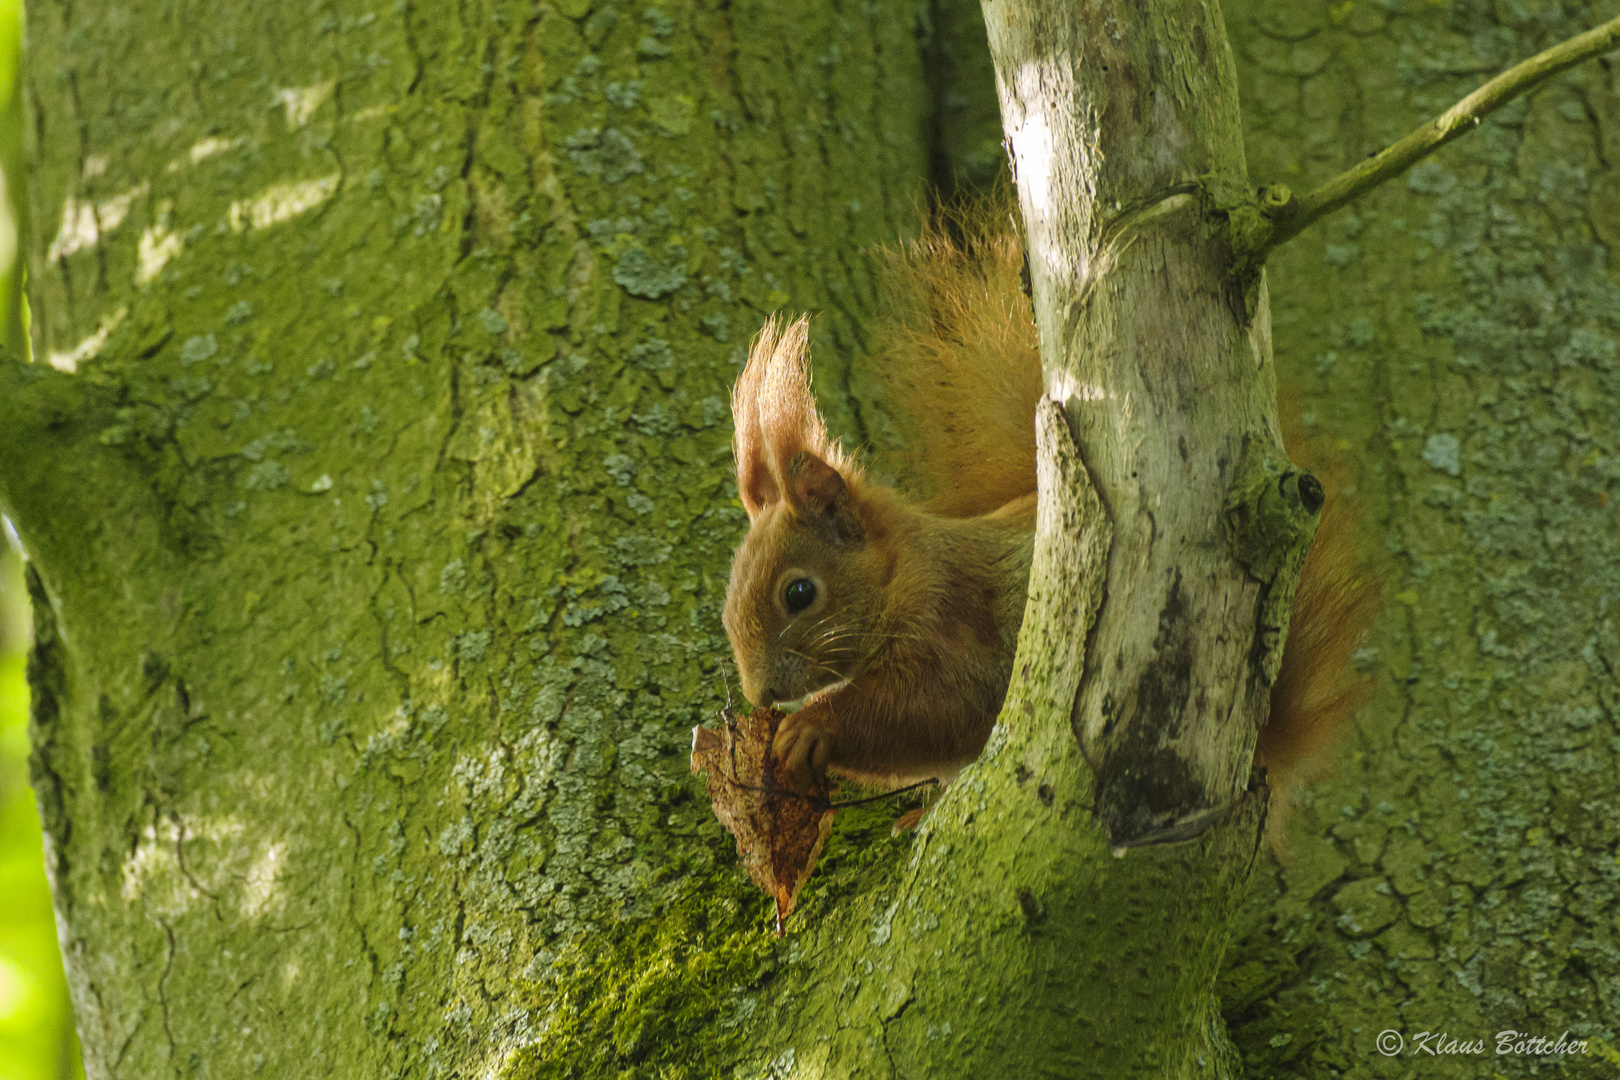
<point x="1454" y="336"/>
<point x="379" y="534"/>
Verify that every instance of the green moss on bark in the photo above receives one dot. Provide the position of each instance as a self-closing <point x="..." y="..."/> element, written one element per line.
<point x="1454" y="336"/>
<point x="674" y="995"/>
<point x="389" y="547"/>
<point x="388" y="516"/>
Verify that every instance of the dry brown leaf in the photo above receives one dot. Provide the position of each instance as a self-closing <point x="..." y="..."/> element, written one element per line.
<point x="780" y="824"/>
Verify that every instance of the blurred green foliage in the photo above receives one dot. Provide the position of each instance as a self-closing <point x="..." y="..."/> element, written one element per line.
<point x="13" y="314"/>
<point x="36" y="1021"/>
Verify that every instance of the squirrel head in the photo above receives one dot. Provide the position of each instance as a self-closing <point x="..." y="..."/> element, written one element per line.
<point x="802" y="583"/>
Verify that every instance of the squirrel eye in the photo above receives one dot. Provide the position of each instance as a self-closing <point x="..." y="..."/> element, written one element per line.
<point x="799" y="594"/>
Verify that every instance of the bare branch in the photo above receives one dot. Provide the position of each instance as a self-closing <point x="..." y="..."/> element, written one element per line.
<point x="1288" y="217"/>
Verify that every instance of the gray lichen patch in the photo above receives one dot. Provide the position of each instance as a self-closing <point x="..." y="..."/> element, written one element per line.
<point x="1454" y="335"/>
<point x="411" y="447"/>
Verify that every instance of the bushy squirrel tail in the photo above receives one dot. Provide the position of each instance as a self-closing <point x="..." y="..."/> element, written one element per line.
<point x="1318" y="691"/>
<point x="962" y="354"/>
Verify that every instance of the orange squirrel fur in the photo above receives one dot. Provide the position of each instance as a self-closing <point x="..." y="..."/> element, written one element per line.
<point x="895" y="615"/>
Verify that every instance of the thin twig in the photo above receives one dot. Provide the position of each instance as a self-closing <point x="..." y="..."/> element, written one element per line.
<point x="820" y="801"/>
<point x="886" y="794"/>
<point x="1290" y="217"/>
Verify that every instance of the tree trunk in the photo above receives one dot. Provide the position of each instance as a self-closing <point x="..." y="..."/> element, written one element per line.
<point x="1453" y="339"/>
<point x="1122" y="123"/>
<point x="379" y="535"/>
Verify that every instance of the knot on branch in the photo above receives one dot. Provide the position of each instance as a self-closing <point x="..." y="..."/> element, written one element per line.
<point x="1271" y="517"/>
<point x="1276" y="201"/>
<point x="1260" y="222"/>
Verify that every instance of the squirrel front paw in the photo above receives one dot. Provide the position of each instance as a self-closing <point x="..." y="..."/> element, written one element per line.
<point x="802" y="748"/>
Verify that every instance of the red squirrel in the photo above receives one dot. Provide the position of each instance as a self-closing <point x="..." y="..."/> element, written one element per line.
<point x="894" y="614"/>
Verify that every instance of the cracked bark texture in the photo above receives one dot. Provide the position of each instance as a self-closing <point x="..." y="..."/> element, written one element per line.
<point x="379" y="533"/>
<point x="1454" y="336"/>
<point x="386" y="776"/>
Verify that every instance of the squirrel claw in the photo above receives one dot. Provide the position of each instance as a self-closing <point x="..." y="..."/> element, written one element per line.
<point x="803" y="750"/>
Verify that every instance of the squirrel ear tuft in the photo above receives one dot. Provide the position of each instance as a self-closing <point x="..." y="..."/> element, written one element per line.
<point x="749" y="444"/>
<point x="777" y="421"/>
